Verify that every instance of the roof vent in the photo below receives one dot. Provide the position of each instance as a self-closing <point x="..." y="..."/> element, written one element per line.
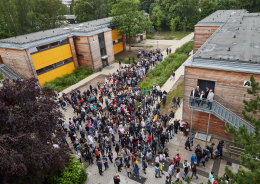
<point x="228" y="48"/>
<point x="234" y="36"/>
<point x="53" y="31"/>
<point x="66" y="28"/>
<point x="26" y="37"/>
<point x="240" y="22"/>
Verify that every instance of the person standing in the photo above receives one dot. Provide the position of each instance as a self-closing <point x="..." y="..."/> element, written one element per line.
<point x="173" y="76"/>
<point x="116" y="179"/>
<point x="178" y="175"/>
<point x="118" y="164"/>
<point x="193" y="158"/>
<point x="210" y="99"/>
<point x="167" y="51"/>
<point x="157" y="170"/>
<point x="99" y="164"/>
<point x="211" y="149"/>
<point x="211" y="177"/>
<point x="178" y="102"/>
<point x="128" y="170"/>
<point x="136" y="170"/>
<point x="171" y="170"/>
<point x="105" y="161"/>
<point x="144" y="165"/>
<point x="194" y="171"/>
<point x="170" y="50"/>
<point x="186" y="167"/>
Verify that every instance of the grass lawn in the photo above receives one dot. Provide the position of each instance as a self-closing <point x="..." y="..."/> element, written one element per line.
<point x="167" y="35"/>
<point x="179" y="92"/>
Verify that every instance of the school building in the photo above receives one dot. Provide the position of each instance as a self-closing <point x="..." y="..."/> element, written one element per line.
<point x="54" y="53"/>
<point x="227" y="53"/>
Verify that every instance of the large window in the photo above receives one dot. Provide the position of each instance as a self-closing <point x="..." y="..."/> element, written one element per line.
<point x="53" y="66"/>
<point x="101" y="40"/>
<point x="103" y="51"/>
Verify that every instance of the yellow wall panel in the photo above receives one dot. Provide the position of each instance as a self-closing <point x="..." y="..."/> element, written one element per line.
<point x="115" y="35"/>
<point x="58" y="72"/>
<point x="118" y="47"/>
<point x="51" y="56"/>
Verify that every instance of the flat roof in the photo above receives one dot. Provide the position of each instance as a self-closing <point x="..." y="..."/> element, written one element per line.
<point x="48" y="36"/>
<point x="238" y="39"/>
<point x="220" y="17"/>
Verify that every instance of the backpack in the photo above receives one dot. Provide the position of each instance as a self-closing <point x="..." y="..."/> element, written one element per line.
<point x="157" y="169"/>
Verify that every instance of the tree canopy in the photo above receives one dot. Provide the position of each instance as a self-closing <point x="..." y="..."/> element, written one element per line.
<point x="29" y="116"/>
<point x="129" y="19"/>
<point x="26" y="16"/>
<point x="250" y="141"/>
<point x="87" y="10"/>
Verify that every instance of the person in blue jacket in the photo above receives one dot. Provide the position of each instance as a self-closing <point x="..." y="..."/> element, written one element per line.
<point x="193" y="158"/>
<point x="136" y="170"/>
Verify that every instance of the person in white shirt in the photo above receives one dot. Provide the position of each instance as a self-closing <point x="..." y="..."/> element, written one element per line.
<point x="178" y="175"/>
<point x="186" y="167"/>
<point x="210" y="99"/>
<point x="171" y="170"/>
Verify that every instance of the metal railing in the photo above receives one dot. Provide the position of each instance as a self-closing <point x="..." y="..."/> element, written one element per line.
<point x="203" y="104"/>
<point x="229" y="106"/>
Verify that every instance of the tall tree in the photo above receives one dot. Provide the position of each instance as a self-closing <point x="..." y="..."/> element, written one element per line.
<point x="250" y="141"/>
<point x="173" y="25"/>
<point x="146" y="4"/>
<point x="130" y="20"/>
<point x="29" y="117"/>
<point x="250" y="5"/>
<point x="87" y="10"/>
<point x="158" y="17"/>
<point x="26" y="16"/>
<point x="207" y="7"/>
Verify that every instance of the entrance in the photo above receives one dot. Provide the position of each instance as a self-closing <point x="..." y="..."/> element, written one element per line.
<point x="104" y="62"/>
<point x="205" y="83"/>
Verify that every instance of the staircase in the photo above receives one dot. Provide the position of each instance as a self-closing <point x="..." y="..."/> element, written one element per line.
<point x="227" y="112"/>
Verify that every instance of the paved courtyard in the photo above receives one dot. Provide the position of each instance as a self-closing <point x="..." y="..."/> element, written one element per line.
<point x="175" y="146"/>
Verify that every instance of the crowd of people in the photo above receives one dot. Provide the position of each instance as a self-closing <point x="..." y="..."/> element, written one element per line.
<point x="118" y="115"/>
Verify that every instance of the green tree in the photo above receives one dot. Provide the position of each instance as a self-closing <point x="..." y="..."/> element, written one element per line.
<point x="250" y="5"/>
<point x="225" y="5"/>
<point x="130" y="20"/>
<point x="173" y="25"/>
<point x="87" y="10"/>
<point x="250" y="141"/>
<point x="26" y="16"/>
<point x="207" y="7"/>
<point x="146" y="4"/>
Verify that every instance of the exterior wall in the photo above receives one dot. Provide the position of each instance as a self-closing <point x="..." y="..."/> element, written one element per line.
<point x="58" y="72"/>
<point x="118" y="47"/>
<point x="51" y="56"/>
<point x="19" y="61"/>
<point x="228" y="85"/>
<point x="115" y="35"/>
<point x="82" y="47"/>
<point x="95" y="52"/>
<point x="109" y="46"/>
<point x="73" y="51"/>
<point x="202" y="34"/>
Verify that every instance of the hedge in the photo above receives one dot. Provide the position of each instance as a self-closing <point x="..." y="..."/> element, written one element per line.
<point x="162" y="71"/>
<point x="62" y="83"/>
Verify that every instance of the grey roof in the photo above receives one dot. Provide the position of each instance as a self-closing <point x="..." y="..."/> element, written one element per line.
<point x="219" y="17"/>
<point x="238" y="39"/>
<point x="44" y="37"/>
<point x="8" y="72"/>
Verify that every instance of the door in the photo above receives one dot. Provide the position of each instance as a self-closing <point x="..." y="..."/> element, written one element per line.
<point x="205" y="83"/>
<point x="104" y="62"/>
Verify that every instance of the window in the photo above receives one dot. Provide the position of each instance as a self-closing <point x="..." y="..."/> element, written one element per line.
<point x="44" y="47"/>
<point x="117" y="41"/>
<point x="101" y="40"/>
<point x="76" y="38"/>
<point x="64" y="41"/>
<point x="80" y="55"/>
<point x="50" y="67"/>
<point x="68" y="61"/>
<point x="54" y="44"/>
<point x="103" y="51"/>
<point x="40" y="71"/>
<point x="59" y="64"/>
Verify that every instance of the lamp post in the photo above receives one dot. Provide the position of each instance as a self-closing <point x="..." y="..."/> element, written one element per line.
<point x="157" y="44"/>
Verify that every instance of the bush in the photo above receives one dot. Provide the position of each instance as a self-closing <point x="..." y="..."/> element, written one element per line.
<point x="74" y="173"/>
<point x="1" y="76"/>
<point x="162" y="71"/>
<point x="62" y="83"/>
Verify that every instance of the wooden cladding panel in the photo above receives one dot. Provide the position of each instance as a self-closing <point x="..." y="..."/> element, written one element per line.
<point x="202" y="34"/>
<point x="95" y="50"/>
<point x="109" y="46"/>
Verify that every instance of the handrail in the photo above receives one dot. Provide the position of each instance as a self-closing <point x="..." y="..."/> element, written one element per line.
<point x="228" y="105"/>
<point x="214" y="101"/>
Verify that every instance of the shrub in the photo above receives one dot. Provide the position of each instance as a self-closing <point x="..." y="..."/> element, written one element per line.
<point x="162" y="71"/>
<point x="1" y="76"/>
<point x="74" y="173"/>
<point x="62" y="83"/>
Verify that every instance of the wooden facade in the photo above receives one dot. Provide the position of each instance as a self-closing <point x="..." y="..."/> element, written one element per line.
<point x="202" y="34"/>
<point x="228" y="85"/>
